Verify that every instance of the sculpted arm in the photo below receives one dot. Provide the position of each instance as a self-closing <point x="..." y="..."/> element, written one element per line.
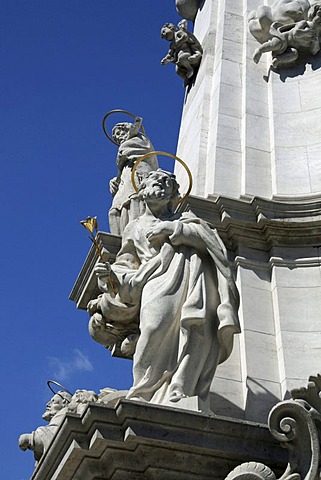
<point x="111" y="277"/>
<point x="37" y="441"/>
<point x="179" y="233"/>
<point x="170" y="57"/>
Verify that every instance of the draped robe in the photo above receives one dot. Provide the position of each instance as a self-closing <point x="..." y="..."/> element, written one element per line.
<point x="183" y="290"/>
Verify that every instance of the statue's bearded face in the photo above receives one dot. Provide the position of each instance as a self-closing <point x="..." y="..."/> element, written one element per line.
<point x="158" y="185"/>
<point x="53" y="407"/>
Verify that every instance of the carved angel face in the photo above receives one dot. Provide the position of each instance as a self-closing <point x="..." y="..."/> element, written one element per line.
<point x="290" y="10"/>
<point x="168" y="31"/>
<point x="120" y="132"/>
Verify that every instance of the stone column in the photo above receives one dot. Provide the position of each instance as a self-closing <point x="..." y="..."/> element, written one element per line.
<point x="252" y="138"/>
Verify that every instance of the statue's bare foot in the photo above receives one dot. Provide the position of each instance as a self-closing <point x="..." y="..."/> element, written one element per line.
<point x="176" y="395"/>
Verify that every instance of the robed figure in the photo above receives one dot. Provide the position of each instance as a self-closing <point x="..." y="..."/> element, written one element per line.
<point x="172" y="280"/>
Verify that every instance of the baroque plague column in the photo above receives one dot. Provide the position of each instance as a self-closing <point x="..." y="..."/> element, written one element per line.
<point x="252" y="135"/>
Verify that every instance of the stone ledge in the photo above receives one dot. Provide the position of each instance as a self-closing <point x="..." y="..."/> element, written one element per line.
<point x="251" y="222"/>
<point x="259" y="223"/>
<point x="85" y="287"/>
<point x="135" y="440"/>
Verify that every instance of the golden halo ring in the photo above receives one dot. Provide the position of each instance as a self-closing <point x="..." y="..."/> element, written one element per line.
<point x="170" y="155"/>
<point x="117" y="111"/>
<point x="49" y="382"/>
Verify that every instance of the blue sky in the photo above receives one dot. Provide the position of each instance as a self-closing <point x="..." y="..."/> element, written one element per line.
<point x="65" y="63"/>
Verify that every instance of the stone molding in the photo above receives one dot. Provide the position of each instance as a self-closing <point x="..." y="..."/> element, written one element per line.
<point x="143" y="441"/>
<point x="85" y="287"/>
<point x="260" y="223"/>
<point x="251" y="222"/>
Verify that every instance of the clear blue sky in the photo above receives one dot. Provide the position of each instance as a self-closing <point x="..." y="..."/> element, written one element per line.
<point x="64" y="64"/>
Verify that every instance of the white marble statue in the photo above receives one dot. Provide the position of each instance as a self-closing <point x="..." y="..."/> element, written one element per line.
<point x="286" y="28"/>
<point x="80" y="400"/>
<point x="133" y="144"/>
<point x="172" y="279"/>
<point x="39" y="440"/>
<point x="185" y="50"/>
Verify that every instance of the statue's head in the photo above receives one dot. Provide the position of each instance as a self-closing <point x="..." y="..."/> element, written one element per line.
<point x="160" y="185"/>
<point x="81" y="397"/>
<point x="121" y="132"/>
<point x="167" y="31"/>
<point x="290" y="10"/>
<point x="57" y="402"/>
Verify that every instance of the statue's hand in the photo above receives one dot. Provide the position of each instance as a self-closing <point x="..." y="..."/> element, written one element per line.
<point x="25" y="441"/>
<point x="160" y="231"/>
<point x="102" y="270"/>
<point x="113" y="186"/>
<point x="165" y="61"/>
<point x="93" y="306"/>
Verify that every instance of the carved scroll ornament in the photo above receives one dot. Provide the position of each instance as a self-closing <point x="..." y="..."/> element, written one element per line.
<point x="296" y="424"/>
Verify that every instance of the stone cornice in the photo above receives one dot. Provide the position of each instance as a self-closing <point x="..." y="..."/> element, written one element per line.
<point x="135" y="438"/>
<point x="260" y="223"/>
<point x="85" y="287"/>
<point x="250" y="222"/>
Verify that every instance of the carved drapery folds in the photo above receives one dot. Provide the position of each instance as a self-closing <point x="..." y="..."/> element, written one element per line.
<point x="288" y="29"/>
<point x="296" y="424"/>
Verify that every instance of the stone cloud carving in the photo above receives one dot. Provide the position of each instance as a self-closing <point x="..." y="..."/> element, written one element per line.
<point x="172" y="289"/>
<point x="133" y="144"/>
<point x="185" y="50"/>
<point x="287" y="29"/>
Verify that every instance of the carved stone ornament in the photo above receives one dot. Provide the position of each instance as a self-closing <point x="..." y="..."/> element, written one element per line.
<point x="185" y="50"/>
<point x="132" y="144"/>
<point x="296" y="424"/>
<point x="170" y="291"/>
<point x="287" y="29"/>
<point x="60" y="404"/>
<point x="39" y="440"/>
<point x="188" y="8"/>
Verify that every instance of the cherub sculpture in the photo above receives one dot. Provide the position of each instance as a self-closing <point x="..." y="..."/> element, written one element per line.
<point x="173" y="285"/>
<point x="286" y="28"/>
<point x="185" y="50"/>
<point x="133" y="144"/>
<point x="39" y="440"/>
<point x="80" y="400"/>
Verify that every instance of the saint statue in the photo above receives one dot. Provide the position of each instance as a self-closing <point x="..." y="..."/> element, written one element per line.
<point x="172" y="284"/>
<point x="39" y="440"/>
<point x="133" y="144"/>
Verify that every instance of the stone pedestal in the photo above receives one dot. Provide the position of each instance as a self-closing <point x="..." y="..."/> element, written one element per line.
<point x="141" y="441"/>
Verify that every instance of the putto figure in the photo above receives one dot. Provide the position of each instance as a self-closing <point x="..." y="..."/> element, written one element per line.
<point x="185" y="50"/>
<point x="172" y="280"/>
<point x="39" y="440"/>
<point x="287" y="28"/>
<point x="133" y="144"/>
